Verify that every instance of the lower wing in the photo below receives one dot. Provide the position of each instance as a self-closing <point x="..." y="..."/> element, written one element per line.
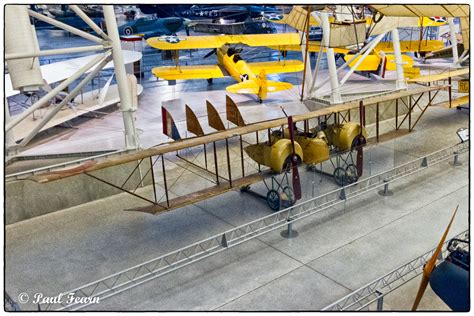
<point x="188" y="72"/>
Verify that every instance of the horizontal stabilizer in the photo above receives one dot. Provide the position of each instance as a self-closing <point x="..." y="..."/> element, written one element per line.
<point x="251" y="87"/>
<point x="248" y="86"/>
<point x="188" y="72"/>
<point x="276" y="67"/>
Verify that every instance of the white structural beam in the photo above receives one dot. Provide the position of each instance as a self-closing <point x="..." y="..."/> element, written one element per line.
<point x="59" y="51"/>
<point x="371" y="46"/>
<point x="400" y="83"/>
<point x="131" y="137"/>
<point x="52" y="93"/>
<point x="454" y="41"/>
<point x="9" y="136"/>
<point x="65" y="27"/>
<point x="335" y="93"/>
<point x="66" y="100"/>
<point x="89" y="22"/>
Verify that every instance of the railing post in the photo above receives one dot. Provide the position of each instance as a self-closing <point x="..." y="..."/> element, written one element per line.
<point x="385" y="191"/>
<point x="456" y="161"/>
<point x="289" y="233"/>
<point x="379" y="301"/>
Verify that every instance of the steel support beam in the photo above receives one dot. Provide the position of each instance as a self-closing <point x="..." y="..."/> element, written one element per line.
<point x="53" y="92"/>
<point x="131" y="136"/>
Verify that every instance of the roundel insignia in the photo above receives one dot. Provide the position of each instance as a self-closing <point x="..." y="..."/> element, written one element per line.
<point x="273" y="17"/>
<point x="439" y="19"/>
<point x="244" y="77"/>
<point x="170" y="39"/>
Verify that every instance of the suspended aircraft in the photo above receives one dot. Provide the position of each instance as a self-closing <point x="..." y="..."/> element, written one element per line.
<point x="150" y="26"/>
<point x="235" y="13"/>
<point x="251" y="77"/>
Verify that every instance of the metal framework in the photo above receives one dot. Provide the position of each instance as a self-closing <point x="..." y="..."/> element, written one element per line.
<point x="149" y="270"/>
<point x="377" y="289"/>
<point x="110" y="45"/>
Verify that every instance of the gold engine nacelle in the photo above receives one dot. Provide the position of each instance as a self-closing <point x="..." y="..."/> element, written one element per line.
<point x="275" y="156"/>
<point x="342" y="136"/>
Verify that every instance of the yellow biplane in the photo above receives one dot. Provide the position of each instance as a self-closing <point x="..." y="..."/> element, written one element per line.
<point x="381" y="59"/>
<point x="251" y="77"/>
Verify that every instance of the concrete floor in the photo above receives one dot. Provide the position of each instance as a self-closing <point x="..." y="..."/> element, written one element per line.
<point x="336" y="252"/>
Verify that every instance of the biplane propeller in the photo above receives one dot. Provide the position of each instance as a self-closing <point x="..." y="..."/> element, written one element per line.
<point x="430" y="266"/>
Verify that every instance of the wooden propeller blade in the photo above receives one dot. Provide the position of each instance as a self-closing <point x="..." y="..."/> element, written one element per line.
<point x="360" y="161"/>
<point x="430" y="265"/>
<point x="294" y="160"/>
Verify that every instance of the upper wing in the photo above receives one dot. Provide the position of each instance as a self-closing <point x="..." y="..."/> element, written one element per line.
<point x="275" y="67"/>
<point x="188" y="72"/>
<point x="313" y="46"/>
<point x="216" y="41"/>
<point x="423" y="10"/>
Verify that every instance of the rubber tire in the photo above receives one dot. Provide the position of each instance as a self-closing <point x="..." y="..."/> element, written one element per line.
<point x="128" y="31"/>
<point x="340" y="176"/>
<point x="351" y="173"/>
<point x="273" y="200"/>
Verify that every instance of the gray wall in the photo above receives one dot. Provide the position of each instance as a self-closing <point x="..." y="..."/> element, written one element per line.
<point x="25" y="199"/>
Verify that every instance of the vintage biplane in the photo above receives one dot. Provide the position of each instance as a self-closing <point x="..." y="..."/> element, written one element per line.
<point x="251" y="77"/>
<point x="224" y="167"/>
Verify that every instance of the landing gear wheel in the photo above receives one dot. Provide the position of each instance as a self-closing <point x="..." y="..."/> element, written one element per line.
<point x="273" y="200"/>
<point x="260" y="100"/>
<point x="351" y="172"/>
<point x="245" y="188"/>
<point x="340" y="176"/>
<point x="128" y="30"/>
<point x="287" y="197"/>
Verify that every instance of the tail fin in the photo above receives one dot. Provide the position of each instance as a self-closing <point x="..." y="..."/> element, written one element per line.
<point x="169" y="126"/>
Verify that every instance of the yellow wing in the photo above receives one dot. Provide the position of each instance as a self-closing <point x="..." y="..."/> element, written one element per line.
<point x="370" y="63"/>
<point x="313" y="46"/>
<point x="412" y="46"/>
<point x="391" y="65"/>
<point x="275" y="67"/>
<point x="216" y="41"/>
<point x="188" y="72"/>
<point x="249" y="86"/>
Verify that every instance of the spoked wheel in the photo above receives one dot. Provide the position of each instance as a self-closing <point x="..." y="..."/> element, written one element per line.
<point x="352" y="174"/>
<point x="287" y="197"/>
<point x="273" y="200"/>
<point x="340" y="176"/>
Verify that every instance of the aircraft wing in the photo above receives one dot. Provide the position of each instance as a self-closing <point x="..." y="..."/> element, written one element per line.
<point x="216" y="41"/>
<point x="412" y="46"/>
<point x="188" y="72"/>
<point x="423" y="10"/>
<point x="59" y="71"/>
<point x="276" y="67"/>
<point x="313" y="46"/>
